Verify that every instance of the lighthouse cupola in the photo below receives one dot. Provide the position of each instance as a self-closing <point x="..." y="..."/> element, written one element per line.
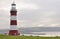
<point x="13" y="7"/>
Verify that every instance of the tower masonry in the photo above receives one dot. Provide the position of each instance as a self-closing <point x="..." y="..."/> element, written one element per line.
<point x="13" y="20"/>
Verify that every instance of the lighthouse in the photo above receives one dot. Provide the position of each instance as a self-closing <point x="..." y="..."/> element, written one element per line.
<point x="13" y="20"/>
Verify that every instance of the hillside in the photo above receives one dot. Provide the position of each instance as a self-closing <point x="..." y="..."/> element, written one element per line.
<point x="26" y="37"/>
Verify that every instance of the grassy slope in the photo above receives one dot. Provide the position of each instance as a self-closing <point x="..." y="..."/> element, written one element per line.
<point x="26" y="37"/>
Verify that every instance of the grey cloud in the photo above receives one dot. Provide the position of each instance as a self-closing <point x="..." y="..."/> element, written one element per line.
<point x="48" y="12"/>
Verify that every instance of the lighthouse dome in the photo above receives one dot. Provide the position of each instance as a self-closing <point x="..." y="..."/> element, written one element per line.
<point x="13" y="7"/>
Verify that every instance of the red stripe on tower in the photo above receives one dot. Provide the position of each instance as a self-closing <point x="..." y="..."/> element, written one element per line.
<point x="13" y="21"/>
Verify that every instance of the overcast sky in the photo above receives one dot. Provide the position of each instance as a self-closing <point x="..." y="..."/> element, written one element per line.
<point x="31" y="13"/>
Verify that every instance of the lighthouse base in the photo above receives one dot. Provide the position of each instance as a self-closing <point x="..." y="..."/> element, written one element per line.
<point x="13" y="32"/>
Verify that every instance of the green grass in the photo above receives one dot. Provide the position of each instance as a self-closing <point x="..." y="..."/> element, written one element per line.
<point x="26" y="37"/>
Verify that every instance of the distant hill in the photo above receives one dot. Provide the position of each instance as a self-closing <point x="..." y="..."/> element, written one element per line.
<point x="39" y="29"/>
<point x="34" y="29"/>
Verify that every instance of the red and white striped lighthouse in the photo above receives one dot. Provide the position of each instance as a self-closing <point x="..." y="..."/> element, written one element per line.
<point x="13" y="20"/>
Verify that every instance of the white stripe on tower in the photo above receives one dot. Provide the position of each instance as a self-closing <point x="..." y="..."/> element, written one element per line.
<point x="13" y="17"/>
<point x="13" y="27"/>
